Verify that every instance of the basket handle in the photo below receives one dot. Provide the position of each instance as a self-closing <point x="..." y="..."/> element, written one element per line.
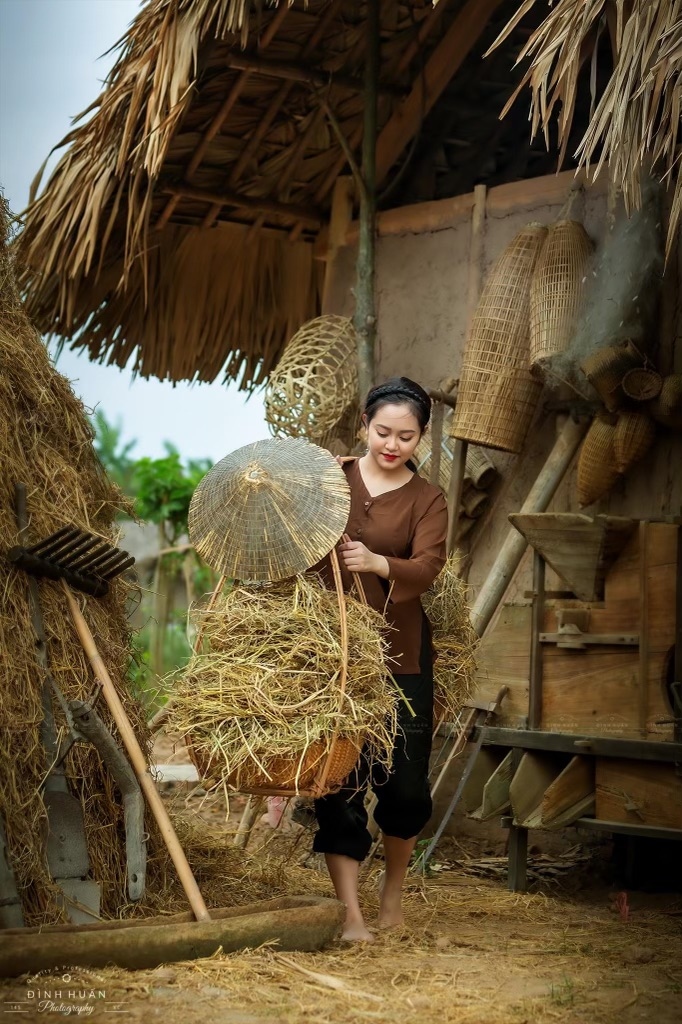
<point x="362" y="596"/>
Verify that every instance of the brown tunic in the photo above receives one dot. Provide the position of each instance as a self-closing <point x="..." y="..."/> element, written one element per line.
<point x="408" y="526"/>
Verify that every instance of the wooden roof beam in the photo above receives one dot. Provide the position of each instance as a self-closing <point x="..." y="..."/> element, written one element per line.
<point x="303" y="73"/>
<point x="305" y="214"/>
<point x="442" y="65"/>
<point x="219" y="119"/>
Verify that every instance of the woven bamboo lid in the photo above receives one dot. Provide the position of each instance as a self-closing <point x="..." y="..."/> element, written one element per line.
<point x="269" y="510"/>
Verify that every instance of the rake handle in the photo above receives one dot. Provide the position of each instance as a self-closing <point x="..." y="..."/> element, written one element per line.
<point x="138" y="761"/>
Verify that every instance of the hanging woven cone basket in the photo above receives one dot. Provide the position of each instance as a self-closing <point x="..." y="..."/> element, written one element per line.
<point x="632" y="438"/>
<point x="557" y="289"/>
<point x="642" y="384"/>
<point x="597" y="471"/>
<point x="316" y="380"/>
<point x="666" y="408"/>
<point x="606" y="368"/>
<point x="497" y="394"/>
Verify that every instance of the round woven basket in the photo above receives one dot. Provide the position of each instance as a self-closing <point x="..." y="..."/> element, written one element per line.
<point x="597" y="471"/>
<point x="606" y="368"/>
<point x="632" y="438"/>
<point x="497" y="394"/>
<point x="324" y="764"/>
<point x="642" y="384"/>
<point x="557" y="288"/>
<point x="666" y="408"/>
<point x="316" y="380"/>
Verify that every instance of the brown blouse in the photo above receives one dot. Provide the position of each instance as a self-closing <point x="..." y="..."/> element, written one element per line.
<point x="408" y="526"/>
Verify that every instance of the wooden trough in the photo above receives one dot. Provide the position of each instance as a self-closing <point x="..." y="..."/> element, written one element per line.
<point x="294" y="922"/>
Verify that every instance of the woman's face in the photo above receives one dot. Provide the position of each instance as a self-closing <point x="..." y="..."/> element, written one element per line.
<point x="392" y="435"/>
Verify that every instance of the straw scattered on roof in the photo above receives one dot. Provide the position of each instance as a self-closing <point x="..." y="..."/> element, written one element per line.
<point x="636" y="120"/>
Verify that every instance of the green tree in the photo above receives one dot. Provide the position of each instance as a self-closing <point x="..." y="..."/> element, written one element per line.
<point x="114" y="453"/>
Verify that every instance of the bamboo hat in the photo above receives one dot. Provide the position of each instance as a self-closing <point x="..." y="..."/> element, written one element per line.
<point x="269" y="510"/>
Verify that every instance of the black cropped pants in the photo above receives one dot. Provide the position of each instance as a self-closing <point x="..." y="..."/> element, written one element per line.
<point x="403" y="794"/>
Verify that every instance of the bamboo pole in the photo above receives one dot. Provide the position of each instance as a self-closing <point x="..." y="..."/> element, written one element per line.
<point x="138" y="761"/>
<point x="365" y="310"/>
<point x="539" y="497"/>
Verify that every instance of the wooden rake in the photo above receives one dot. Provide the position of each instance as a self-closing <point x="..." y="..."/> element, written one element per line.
<point x="79" y="559"/>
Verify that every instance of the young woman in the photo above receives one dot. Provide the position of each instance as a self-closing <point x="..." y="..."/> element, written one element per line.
<point x="397" y="528"/>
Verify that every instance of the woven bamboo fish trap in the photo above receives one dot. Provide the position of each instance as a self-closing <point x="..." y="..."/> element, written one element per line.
<point x="632" y="438"/>
<point x="321" y="767"/>
<point x="316" y="380"/>
<point x="666" y="408"/>
<point x="556" y="290"/>
<point x="497" y="392"/>
<point x="606" y="368"/>
<point x="597" y="472"/>
<point x="642" y="384"/>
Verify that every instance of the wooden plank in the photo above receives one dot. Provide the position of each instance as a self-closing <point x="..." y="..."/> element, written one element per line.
<point x="585" y="806"/>
<point x="418" y="218"/>
<point x="536" y="771"/>
<point x="643" y="628"/>
<point x="496" y="798"/>
<point x="570" y="788"/>
<point x="549" y="190"/>
<point x="577" y="743"/>
<point x="639" y="794"/>
<point x="504" y="660"/>
<point x="442" y="65"/>
<point x="486" y="763"/>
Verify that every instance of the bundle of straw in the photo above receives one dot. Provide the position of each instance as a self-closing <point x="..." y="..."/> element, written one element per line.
<point x="454" y="639"/>
<point x="264" y="690"/>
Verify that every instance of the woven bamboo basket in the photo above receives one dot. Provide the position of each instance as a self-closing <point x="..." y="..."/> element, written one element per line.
<point x="666" y="408"/>
<point x="632" y="438"/>
<point x="316" y="380"/>
<point x="606" y="368"/>
<point x="322" y="767"/>
<point x="597" y="471"/>
<point x="497" y="393"/>
<point x="556" y="290"/>
<point x="642" y="384"/>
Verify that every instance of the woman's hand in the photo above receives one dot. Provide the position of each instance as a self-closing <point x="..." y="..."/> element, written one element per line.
<point x="357" y="558"/>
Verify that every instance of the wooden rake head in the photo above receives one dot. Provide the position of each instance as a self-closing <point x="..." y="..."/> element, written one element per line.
<point x="84" y="561"/>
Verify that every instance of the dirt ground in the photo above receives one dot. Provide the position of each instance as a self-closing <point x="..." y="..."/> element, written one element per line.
<point x="571" y="950"/>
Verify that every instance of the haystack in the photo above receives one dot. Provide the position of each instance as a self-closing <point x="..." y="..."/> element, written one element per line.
<point x="265" y="689"/>
<point x="454" y="639"/>
<point x="46" y="443"/>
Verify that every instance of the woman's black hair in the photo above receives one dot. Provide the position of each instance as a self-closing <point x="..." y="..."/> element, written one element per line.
<point x="396" y="391"/>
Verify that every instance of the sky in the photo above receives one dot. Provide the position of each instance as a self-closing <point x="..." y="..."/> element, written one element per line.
<point x="51" y="69"/>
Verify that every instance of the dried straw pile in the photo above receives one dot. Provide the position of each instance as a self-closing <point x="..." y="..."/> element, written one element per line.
<point x="454" y="639"/>
<point x="46" y="443"/>
<point x="266" y="684"/>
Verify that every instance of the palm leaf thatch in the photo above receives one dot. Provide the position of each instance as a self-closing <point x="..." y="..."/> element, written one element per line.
<point x="176" y="233"/>
<point x="636" y="120"/>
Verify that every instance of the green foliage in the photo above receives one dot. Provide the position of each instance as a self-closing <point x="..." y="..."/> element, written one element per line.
<point x="163" y="489"/>
<point x="114" y="453"/>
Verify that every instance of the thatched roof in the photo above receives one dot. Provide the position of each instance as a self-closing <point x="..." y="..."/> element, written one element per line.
<point x="176" y="229"/>
<point x="635" y="122"/>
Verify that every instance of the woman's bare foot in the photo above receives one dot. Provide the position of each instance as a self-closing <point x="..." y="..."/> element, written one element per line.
<point x="390" y="907"/>
<point x="355" y="930"/>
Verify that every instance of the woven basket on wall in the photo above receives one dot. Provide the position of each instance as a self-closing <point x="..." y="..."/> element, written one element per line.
<point x="632" y="438"/>
<point x="606" y="368"/>
<point x="315" y="381"/>
<point x="597" y="471"/>
<point x="557" y="288"/>
<point x="642" y="384"/>
<point x="497" y="393"/>
<point x="666" y="408"/>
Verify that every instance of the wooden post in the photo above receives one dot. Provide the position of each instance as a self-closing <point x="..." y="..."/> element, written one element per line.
<point x="474" y="291"/>
<point x="643" y="660"/>
<point x="339" y="220"/>
<point x="436" y="442"/>
<point x="539" y="497"/>
<point x="535" y="674"/>
<point x="365" y="311"/>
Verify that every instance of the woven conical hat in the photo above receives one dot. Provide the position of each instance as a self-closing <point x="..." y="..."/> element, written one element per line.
<point x="269" y="510"/>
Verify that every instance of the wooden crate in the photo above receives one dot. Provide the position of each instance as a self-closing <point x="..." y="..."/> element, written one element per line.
<point x="638" y="792"/>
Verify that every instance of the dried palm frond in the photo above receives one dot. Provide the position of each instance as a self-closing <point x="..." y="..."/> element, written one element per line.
<point x="454" y="639"/>
<point x="635" y="122"/>
<point x="266" y="684"/>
